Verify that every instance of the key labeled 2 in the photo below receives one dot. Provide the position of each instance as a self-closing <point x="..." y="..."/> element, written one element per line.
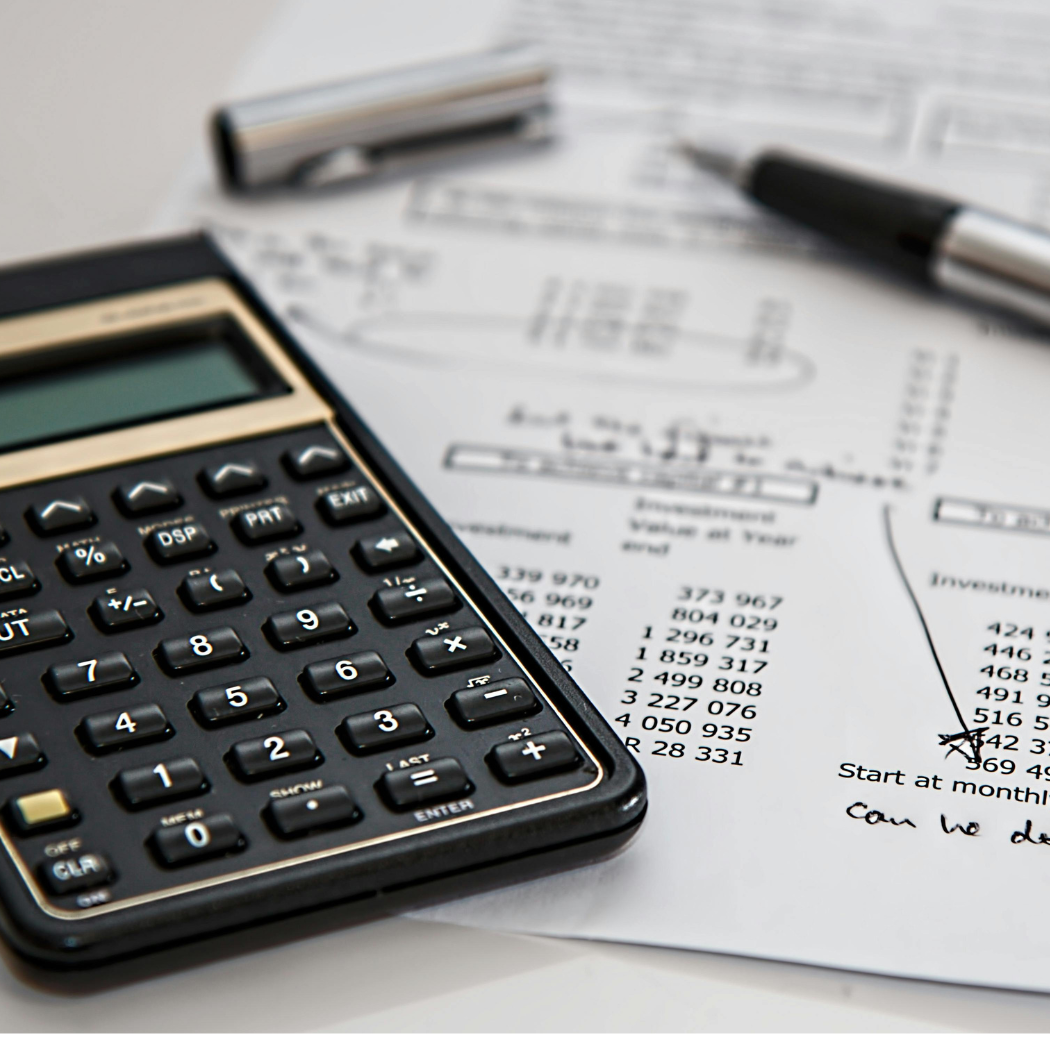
<point x="274" y="755"/>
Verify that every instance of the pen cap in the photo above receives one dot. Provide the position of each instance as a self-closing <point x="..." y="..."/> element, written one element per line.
<point x="333" y="132"/>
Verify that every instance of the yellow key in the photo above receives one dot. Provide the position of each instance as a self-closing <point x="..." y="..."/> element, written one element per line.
<point x="43" y="807"/>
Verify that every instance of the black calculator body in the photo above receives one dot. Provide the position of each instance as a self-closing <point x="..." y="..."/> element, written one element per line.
<point x="247" y="671"/>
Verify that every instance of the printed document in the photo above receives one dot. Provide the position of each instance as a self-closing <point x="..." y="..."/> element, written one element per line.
<point x="784" y="518"/>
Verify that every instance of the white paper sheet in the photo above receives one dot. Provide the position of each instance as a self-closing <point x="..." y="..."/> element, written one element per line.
<point x="785" y="520"/>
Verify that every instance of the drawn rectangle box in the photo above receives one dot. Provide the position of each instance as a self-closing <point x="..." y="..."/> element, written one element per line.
<point x="992" y="515"/>
<point x="680" y="477"/>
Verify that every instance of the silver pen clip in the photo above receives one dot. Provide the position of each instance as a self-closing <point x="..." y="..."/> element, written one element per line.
<point x="356" y="128"/>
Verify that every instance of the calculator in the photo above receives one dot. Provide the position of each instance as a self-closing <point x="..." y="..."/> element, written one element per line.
<point x="246" y="671"/>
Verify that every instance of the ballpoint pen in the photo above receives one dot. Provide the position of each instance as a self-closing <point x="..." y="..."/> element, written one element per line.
<point x="954" y="246"/>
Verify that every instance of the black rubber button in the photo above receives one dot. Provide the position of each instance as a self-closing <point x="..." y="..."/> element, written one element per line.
<point x="387" y="727"/>
<point x="456" y="648"/>
<point x="273" y="755"/>
<point x="435" y="781"/>
<point x="332" y="679"/>
<point x="178" y="543"/>
<point x="411" y="600"/>
<point x="147" y="496"/>
<point x="213" y="590"/>
<point x="151" y="785"/>
<point x="298" y="814"/>
<point x="60" y="515"/>
<point x="534" y="756"/>
<point x="385" y="551"/>
<point x="231" y="479"/>
<point x="23" y="631"/>
<point x="91" y="561"/>
<point x="309" y="626"/>
<point x="196" y="840"/>
<point x="485" y="705"/>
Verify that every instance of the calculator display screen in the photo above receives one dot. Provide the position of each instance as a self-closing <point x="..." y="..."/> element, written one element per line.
<point x="83" y="390"/>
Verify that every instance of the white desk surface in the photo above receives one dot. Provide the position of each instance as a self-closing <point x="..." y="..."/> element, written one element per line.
<point x="99" y="105"/>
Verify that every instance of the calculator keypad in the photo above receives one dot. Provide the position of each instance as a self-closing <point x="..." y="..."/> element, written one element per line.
<point x="294" y="673"/>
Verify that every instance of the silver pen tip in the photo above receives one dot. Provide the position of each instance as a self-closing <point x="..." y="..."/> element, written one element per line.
<point x="732" y="165"/>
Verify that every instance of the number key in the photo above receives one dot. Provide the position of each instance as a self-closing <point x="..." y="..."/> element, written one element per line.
<point x="144" y="724"/>
<point x="331" y="679"/>
<point x="289" y="630"/>
<point x="388" y="727"/>
<point x="271" y="756"/>
<point x="219" y="645"/>
<point x="211" y="836"/>
<point x="95" y="675"/>
<point x="148" y="785"/>
<point x="252" y="698"/>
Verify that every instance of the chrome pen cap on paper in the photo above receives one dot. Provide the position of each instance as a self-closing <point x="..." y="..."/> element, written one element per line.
<point x="347" y="130"/>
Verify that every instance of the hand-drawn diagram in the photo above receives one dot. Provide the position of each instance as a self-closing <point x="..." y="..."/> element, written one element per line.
<point x="693" y="360"/>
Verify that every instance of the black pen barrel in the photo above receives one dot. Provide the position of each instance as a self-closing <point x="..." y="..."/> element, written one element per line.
<point x="900" y="227"/>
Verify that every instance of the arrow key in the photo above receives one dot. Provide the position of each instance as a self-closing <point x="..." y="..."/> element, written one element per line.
<point x="19" y="754"/>
<point x="385" y="551"/>
<point x="146" y="496"/>
<point x="59" y="515"/>
<point x="313" y="461"/>
<point x="231" y="479"/>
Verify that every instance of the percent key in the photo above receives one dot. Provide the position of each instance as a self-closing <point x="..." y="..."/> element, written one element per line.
<point x="91" y="562"/>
